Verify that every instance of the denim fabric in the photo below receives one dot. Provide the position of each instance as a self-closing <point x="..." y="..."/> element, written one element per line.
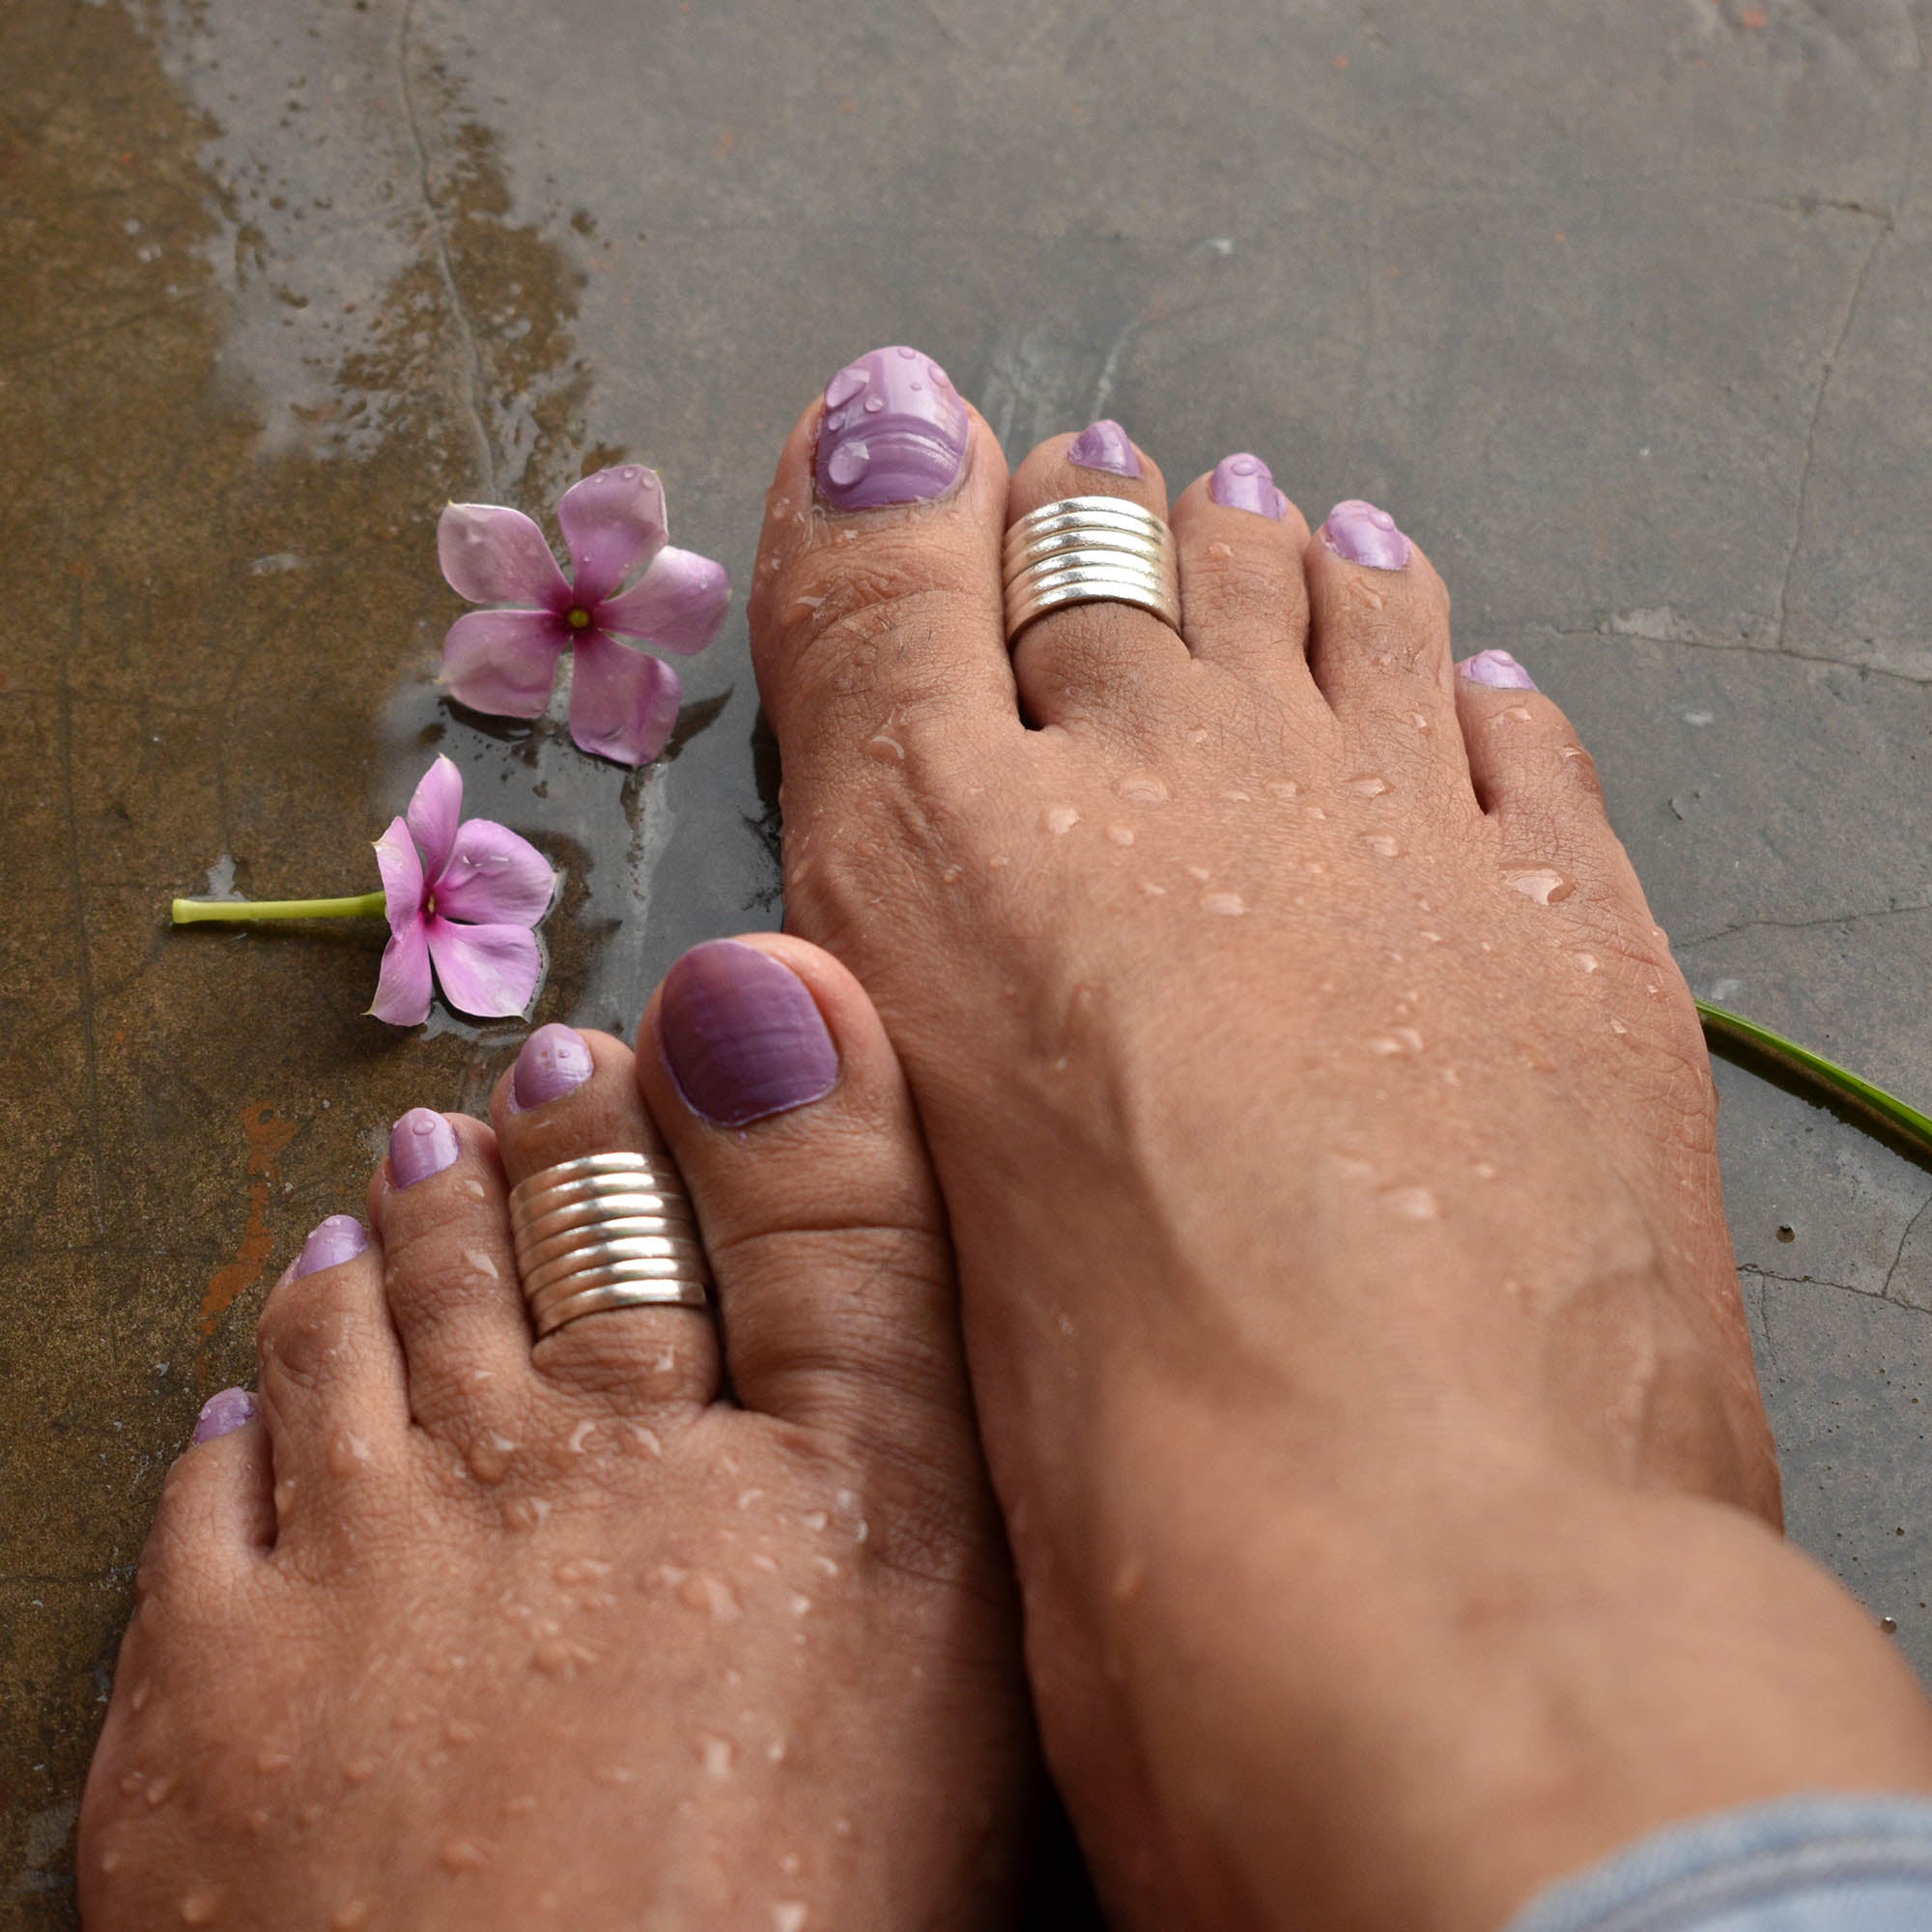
<point x="1803" y="1865"/>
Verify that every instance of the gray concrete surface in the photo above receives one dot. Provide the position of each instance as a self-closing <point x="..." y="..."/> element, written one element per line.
<point x="1622" y="310"/>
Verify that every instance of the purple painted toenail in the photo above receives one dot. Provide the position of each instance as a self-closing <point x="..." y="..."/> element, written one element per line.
<point x="556" y="1061"/>
<point x="1104" y="446"/>
<point x="894" y="431"/>
<point x="420" y="1143"/>
<point x="1497" y="670"/>
<point x="1246" y="483"/>
<point x="1358" y="532"/>
<point x="339" y="1238"/>
<point x="221" y="1412"/>
<point x="742" y="1035"/>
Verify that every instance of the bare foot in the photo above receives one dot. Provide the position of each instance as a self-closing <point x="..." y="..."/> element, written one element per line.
<point x="1327" y="1138"/>
<point x="460" y="1632"/>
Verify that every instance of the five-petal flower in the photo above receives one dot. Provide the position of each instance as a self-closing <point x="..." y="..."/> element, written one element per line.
<point x="465" y="897"/>
<point x="622" y="703"/>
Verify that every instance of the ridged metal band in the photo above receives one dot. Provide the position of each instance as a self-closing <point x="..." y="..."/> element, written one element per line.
<point x="605" y="1232"/>
<point x="1088" y="549"/>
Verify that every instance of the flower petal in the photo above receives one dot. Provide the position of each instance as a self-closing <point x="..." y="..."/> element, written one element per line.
<point x="612" y="521"/>
<point x="434" y="814"/>
<point x="403" y="986"/>
<point x="489" y="971"/>
<point x="622" y="703"/>
<point x="491" y="554"/>
<point x="494" y="877"/>
<point x="402" y="874"/>
<point x="678" y="604"/>
<point x="503" y="662"/>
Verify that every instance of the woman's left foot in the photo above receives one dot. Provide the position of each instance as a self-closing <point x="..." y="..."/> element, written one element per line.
<point x="462" y="1630"/>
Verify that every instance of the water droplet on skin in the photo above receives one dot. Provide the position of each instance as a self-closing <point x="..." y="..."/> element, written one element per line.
<point x="520" y="1806"/>
<point x="489" y="1457"/>
<point x="1152" y="891"/>
<point x="1371" y="784"/>
<point x="1200" y="874"/>
<point x="201" y="1908"/>
<point x="1220" y="551"/>
<point x="1617" y="1026"/>
<point x="1516" y="714"/>
<point x="788" y="1915"/>
<point x="457" y="1732"/>
<point x="159" y="1789"/>
<point x="1129" y="1580"/>
<point x="459" y="1855"/>
<point x="814" y="1520"/>
<point x="1651" y="987"/>
<point x="349" y="1917"/>
<point x="1363" y="594"/>
<point x="138" y="1696"/>
<point x="719" y="1755"/>
<point x="1197" y="736"/>
<point x="1229" y="906"/>
<point x="1062" y="818"/>
<point x="1588" y="961"/>
<point x="861" y="1531"/>
<point x="1317" y="869"/>
<point x="1285" y="789"/>
<point x="1414" y="1203"/>
<point x="951" y="875"/>
<point x="1316" y="811"/>
<point x="826" y="1563"/>
<point x="347" y="1453"/>
<point x="1144" y="788"/>
<point x="701" y="1591"/>
<point x="1381" y="843"/>
<point x="562" y="1657"/>
<point x="1542" y="884"/>
<point x="997" y="862"/>
<point x="616" y="1775"/>
<point x="285" y="1496"/>
<point x="800" y="1606"/>
<point x="885" y="751"/>
<point x="1433" y="938"/>
<point x="1420" y="722"/>
<point x="647" y="1441"/>
<point x="1237" y="797"/>
<point x="360" y="1770"/>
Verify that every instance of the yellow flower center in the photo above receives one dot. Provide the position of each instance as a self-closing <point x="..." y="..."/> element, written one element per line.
<point x="578" y="618"/>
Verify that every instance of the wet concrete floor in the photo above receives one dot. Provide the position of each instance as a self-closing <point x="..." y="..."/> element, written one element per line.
<point x="1622" y="310"/>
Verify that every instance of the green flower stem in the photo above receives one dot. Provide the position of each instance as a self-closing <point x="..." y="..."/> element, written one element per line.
<point x="1813" y="1069"/>
<point x="365" y="905"/>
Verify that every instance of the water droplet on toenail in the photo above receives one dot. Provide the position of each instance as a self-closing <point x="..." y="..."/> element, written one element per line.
<point x="884" y="750"/>
<point x="1371" y="784"/>
<point x="788" y="1915"/>
<point x="489" y="1457"/>
<point x="1143" y="789"/>
<point x="1541" y="884"/>
<point x="719" y="1755"/>
<point x="1414" y="1203"/>
<point x="703" y="1591"/>
<point x="1588" y="961"/>
<point x="201" y="1908"/>
<point x="1229" y="906"/>
<point x="1062" y="818"/>
<point x="849" y="462"/>
<point x="459" y="1855"/>
<point x="844" y="385"/>
<point x="1382" y="843"/>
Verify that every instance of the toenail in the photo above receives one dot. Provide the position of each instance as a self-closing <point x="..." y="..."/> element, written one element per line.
<point x="420" y="1143"/>
<point x="742" y="1035"/>
<point x="223" y="1411"/>
<point x="894" y="431"/>
<point x="1358" y="532"/>
<point x="1497" y="670"/>
<point x="1246" y="483"/>
<point x="1104" y="446"/>
<point x="556" y="1061"/>
<point x="339" y="1238"/>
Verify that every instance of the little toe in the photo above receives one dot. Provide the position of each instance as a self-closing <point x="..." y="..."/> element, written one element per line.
<point x="1379" y="648"/>
<point x="440" y="1206"/>
<point x="773" y="1080"/>
<point x="572" y="1095"/>
<point x="217" y="1504"/>
<point x="1106" y="665"/>
<point x="876" y="605"/>
<point x="1244" y="586"/>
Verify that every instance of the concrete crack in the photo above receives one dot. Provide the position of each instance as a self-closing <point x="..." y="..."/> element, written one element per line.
<point x="1801" y="924"/>
<point x="473" y="382"/>
<point x="1904" y="1243"/>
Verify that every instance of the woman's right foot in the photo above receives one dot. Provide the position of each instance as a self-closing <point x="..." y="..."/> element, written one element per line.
<point x="1327" y="1140"/>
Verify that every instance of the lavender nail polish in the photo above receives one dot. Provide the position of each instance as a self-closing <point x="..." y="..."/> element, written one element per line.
<point x="339" y="1238"/>
<point x="894" y="431"/>
<point x="742" y="1035"/>
<point x="420" y="1143"/>
<point x="556" y="1061"/>
<point x="1245" y="482"/>
<point x="228" y="1409"/>
<point x="1497" y="669"/>
<point x="1358" y="532"/>
<point x="1104" y="446"/>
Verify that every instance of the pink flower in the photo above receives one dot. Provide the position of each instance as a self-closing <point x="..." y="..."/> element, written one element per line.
<point x="465" y="897"/>
<point x="622" y="703"/>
